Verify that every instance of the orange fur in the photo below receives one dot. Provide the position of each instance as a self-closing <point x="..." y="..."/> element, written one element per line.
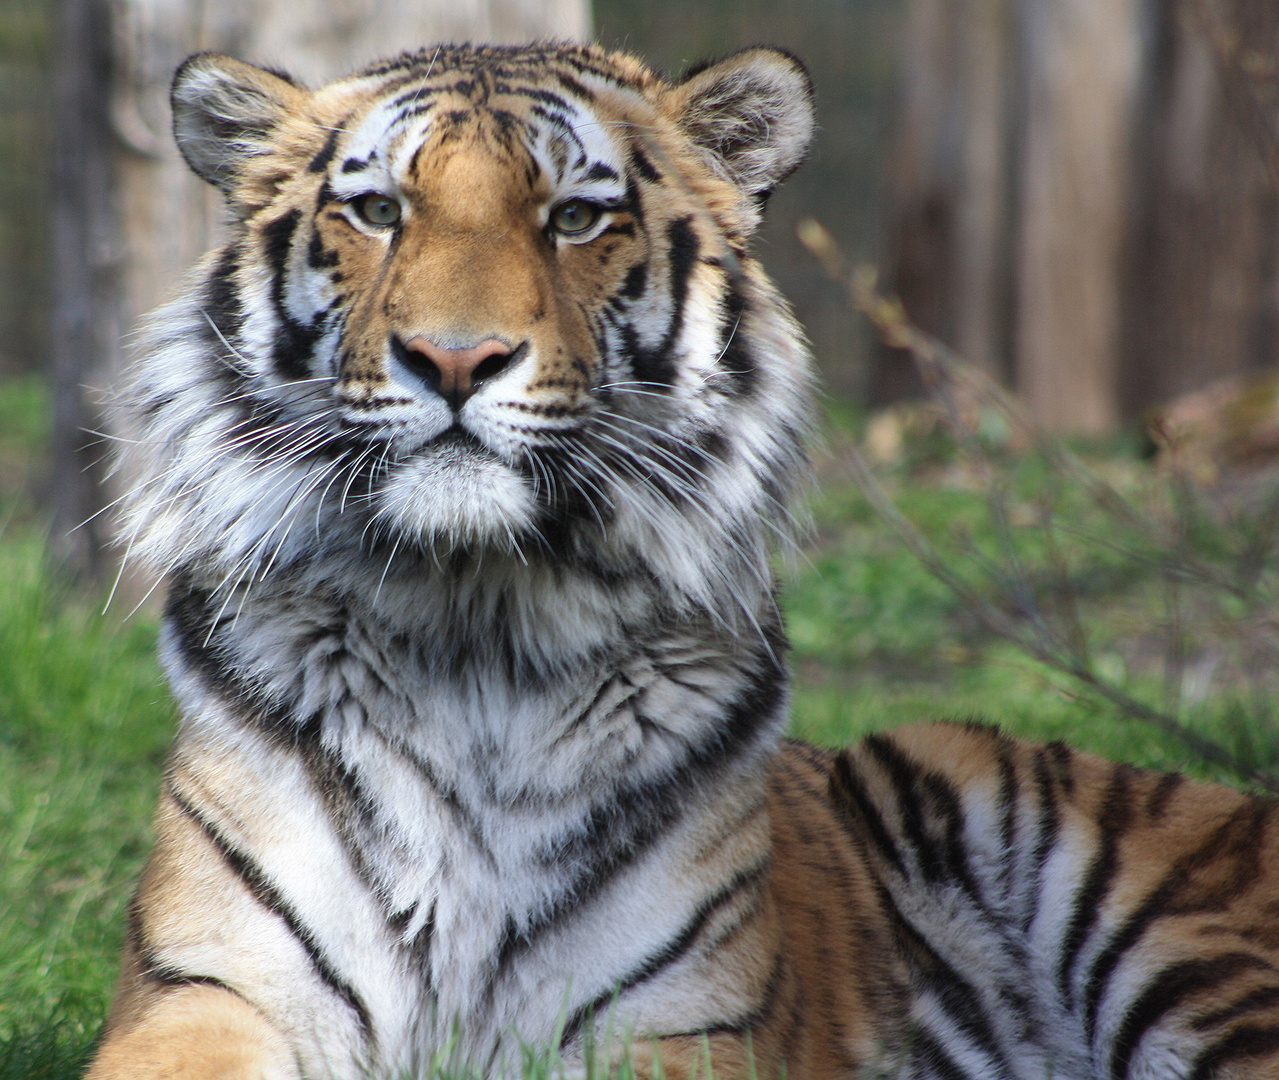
<point x="846" y="898"/>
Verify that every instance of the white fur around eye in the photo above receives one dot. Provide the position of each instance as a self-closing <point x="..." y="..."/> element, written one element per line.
<point x="469" y="682"/>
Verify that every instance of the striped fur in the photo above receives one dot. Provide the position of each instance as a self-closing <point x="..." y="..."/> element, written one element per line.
<point x="481" y="674"/>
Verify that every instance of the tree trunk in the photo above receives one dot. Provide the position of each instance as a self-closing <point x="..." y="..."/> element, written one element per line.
<point x="1086" y="196"/>
<point x="83" y="313"/>
<point x="1081" y="71"/>
<point x="1201" y="288"/>
<point x="950" y="199"/>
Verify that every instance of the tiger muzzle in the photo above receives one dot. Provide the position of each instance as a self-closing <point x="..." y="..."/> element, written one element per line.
<point x="455" y="374"/>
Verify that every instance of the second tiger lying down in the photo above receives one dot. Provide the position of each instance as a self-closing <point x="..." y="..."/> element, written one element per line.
<point x="462" y="457"/>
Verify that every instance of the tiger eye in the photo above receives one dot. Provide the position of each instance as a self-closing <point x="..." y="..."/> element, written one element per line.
<point x="574" y="217"/>
<point x="378" y="209"/>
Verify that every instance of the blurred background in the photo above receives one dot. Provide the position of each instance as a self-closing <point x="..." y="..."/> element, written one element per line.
<point x="1078" y="195"/>
<point x="1081" y="197"/>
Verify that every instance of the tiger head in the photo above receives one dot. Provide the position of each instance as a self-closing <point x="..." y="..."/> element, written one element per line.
<point x="479" y="298"/>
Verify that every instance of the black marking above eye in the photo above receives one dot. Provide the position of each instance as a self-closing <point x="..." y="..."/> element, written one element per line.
<point x="643" y="166"/>
<point x="325" y="154"/>
<point x="374" y="208"/>
<point x="600" y="171"/>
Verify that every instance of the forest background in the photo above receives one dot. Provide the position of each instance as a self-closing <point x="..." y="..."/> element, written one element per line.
<point x="1047" y="493"/>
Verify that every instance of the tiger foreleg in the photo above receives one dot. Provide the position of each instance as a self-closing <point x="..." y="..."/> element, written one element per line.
<point x="196" y="1033"/>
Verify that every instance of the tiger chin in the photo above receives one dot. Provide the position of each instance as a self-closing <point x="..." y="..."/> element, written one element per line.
<point x="463" y="459"/>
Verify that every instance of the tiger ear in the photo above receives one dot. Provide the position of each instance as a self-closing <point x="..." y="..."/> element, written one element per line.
<point x="752" y="112"/>
<point x="224" y="111"/>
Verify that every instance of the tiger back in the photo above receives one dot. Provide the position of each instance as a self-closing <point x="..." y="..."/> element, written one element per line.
<point x="464" y="459"/>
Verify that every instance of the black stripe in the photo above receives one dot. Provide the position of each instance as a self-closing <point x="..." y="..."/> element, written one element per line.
<point x="760" y="1014"/>
<point x="672" y="951"/>
<point x="925" y="797"/>
<point x="448" y="796"/>
<point x="277" y="235"/>
<point x="352" y="812"/>
<point x="636" y="278"/>
<point x="223" y="309"/>
<point x="929" y="1052"/>
<point x="1250" y="1041"/>
<point x="318" y="257"/>
<point x="189" y="615"/>
<point x="1166" y="992"/>
<point x="418" y="95"/>
<point x="1112" y="821"/>
<point x="902" y="774"/>
<point x="848" y="793"/>
<point x="321" y="160"/>
<point x="643" y="166"/>
<point x="1234" y="840"/>
<point x="534" y="93"/>
<point x="959" y="998"/>
<point x="222" y="302"/>
<point x="417" y="110"/>
<point x="1157" y="803"/>
<point x="572" y="86"/>
<point x="1062" y="758"/>
<point x="1260" y="998"/>
<point x="1009" y="791"/>
<point x="656" y="366"/>
<point x="1047" y="829"/>
<point x="624" y="824"/>
<point x="266" y="894"/>
<point x="735" y="357"/>
<point x="165" y="975"/>
<point x="158" y="971"/>
<point x="294" y="342"/>
<point x="557" y="120"/>
<point x="633" y="204"/>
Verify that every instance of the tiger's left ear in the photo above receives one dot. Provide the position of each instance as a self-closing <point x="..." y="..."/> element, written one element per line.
<point x="752" y="112"/>
<point x="224" y="114"/>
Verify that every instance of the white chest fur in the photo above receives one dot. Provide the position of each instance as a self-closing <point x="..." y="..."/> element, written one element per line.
<point x="466" y="846"/>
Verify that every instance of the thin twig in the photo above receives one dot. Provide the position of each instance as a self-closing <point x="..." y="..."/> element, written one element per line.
<point x="1028" y="626"/>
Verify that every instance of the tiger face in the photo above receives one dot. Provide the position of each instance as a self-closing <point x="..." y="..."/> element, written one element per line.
<point x="494" y="299"/>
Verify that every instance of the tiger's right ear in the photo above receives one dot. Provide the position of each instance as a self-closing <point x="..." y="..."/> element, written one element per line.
<point x="224" y="111"/>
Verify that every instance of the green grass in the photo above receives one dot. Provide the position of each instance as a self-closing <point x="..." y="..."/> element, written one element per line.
<point x="84" y="716"/>
<point x="84" y="722"/>
<point x="879" y="641"/>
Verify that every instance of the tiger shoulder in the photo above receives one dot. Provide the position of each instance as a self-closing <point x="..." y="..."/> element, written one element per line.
<point x="462" y="459"/>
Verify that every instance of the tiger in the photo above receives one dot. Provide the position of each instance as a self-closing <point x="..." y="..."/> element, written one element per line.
<point x="466" y="460"/>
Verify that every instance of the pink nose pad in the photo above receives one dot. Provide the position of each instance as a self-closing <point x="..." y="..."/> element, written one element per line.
<point x="462" y="370"/>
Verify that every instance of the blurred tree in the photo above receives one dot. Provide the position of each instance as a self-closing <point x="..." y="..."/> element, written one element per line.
<point x="26" y="31"/>
<point x="1202" y="288"/>
<point x="141" y="214"/>
<point x="1082" y="196"/>
<point x="83" y="316"/>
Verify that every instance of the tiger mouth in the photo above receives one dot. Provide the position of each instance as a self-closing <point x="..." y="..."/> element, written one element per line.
<point x="457" y="437"/>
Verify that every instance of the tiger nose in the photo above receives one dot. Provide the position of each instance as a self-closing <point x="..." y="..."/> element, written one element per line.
<point x="455" y="374"/>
